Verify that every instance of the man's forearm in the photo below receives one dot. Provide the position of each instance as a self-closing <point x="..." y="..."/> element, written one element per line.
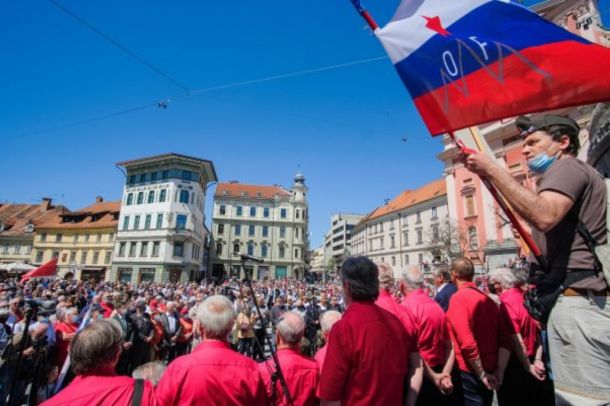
<point x="520" y="352"/>
<point x="416" y="376"/>
<point x="476" y="365"/>
<point x="449" y="361"/>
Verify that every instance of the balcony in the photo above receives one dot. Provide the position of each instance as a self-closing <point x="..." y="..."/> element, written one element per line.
<point x="182" y="234"/>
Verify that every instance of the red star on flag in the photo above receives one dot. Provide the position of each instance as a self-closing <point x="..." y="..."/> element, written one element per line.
<point x="434" y="23"/>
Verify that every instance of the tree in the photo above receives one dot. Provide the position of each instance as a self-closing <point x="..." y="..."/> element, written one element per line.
<point x="447" y="241"/>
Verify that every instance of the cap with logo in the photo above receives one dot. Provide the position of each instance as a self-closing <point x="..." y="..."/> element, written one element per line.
<point x="528" y="125"/>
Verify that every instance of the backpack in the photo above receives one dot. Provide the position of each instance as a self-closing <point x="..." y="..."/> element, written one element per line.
<point x="601" y="253"/>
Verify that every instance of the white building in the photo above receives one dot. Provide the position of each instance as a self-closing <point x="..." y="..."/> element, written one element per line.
<point x="269" y="222"/>
<point x="318" y="264"/>
<point x="161" y="230"/>
<point x="338" y="240"/>
<point x="406" y="230"/>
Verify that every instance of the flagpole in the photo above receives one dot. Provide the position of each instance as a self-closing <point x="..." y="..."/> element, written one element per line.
<point x="525" y="235"/>
<point x="365" y="14"/>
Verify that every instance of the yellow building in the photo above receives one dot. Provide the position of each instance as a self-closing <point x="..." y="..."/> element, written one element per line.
<point x="82" y="240"/>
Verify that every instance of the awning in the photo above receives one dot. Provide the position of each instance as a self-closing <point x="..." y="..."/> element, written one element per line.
<point x="16" y="267"/>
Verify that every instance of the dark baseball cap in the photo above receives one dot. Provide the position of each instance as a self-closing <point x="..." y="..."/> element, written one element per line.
<point x="528" y="125"/>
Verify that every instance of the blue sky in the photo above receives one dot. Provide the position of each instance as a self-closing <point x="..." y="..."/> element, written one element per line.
<point x="343" y="128"/>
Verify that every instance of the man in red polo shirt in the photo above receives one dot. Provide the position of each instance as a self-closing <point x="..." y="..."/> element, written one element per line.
<point x="213" y="373"/>
<point x="517" y="386"/>
<point x="301" y="372"/>
<point x="432" y="339"/>
<point x="94" y="353"/>
<point x="328" y="319"/>
<point x="368" y="349"/>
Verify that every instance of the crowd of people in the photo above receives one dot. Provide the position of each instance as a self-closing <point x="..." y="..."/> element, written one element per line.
<point x="526" y="337"/>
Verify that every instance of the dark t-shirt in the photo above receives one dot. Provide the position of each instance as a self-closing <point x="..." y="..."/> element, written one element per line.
<point x="563" y="245"/>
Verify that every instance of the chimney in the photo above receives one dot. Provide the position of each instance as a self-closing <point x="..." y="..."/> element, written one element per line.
<point x="99" y="199"/>
<point x="46" y="203"/>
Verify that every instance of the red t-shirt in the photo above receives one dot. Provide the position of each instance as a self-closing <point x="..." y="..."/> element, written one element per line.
<point x="301" y="375"/>
<point x="213" y="374"/>
<point x="320" y="355"/>
<point x="387" y="302"/>
<point x="474" y="324"/>
<point x="514" y="312"/>
<point x="430" y="325"/>
<point x="366" y="360"/>
<point x="96" y="390"/>
<point x="63" y="345"/>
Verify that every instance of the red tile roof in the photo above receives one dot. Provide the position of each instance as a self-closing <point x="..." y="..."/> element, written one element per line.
<point x="410" y="198"/>
<point x="17" y="216"/>
<point x="232" y="189"/>
<point x="98" y="215"/>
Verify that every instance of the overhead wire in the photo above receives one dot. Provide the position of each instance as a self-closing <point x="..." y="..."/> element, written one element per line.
<point x="119" y="45"/>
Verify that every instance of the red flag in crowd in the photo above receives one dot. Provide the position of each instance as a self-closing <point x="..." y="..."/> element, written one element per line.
<point x="48" y="269"/>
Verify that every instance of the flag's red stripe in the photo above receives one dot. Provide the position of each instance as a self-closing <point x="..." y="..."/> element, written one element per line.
<point x="579" y="75"/>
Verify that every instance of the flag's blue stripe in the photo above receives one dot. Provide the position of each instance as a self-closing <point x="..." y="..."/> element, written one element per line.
<point x="358" y="5"/>
<point x="492" y="22"/>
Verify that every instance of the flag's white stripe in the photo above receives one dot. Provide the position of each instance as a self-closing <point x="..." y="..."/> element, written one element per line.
<point x="402" y="37"/>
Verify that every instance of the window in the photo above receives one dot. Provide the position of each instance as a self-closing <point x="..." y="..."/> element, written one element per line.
<point x="296" y="213"/>
<point x="159" y="220"/>
<point x="72" y="257"/>
<point x="43" y="237"/>
<point x="405" y="237"/>
<point x="153" y="176"/>
<point x="393" y="261"/>
<point x="434" y="215"/>
<point x="140" y="198"/>
<point x="107" y="257"/>
<point x="283" y="213"/>
<point x="252" y="211"/>
<point x="178" y="249"/>
<point x="86" y="237"/>
<point x="155" y="248"/>
<point x="83" y="257"/>
<point x="132" y="249"/>
<point x="147" y="221"/>
<point x="237" y="229"/>
<point x="264" y="250"/>
<point x="236" y="247"/>
<point x="136" y="222"/>
<point x="129" y="199"/>
<point x="39" y="255"/>
<point x="251" y="230"/>
<point x="164" y="174"/>
<point x="435" y="236"/>
<point x="221" y="228"/>
<point x="5" y="249"/>
<point x="98" y="238"/>
<point x="96" y="257"/>
<point x="142" y="177"/>
<point x="75" y="238"/>
<point x="239" y="210"/>
<point x="250" y="248"/>
<point x="162" y="195"/>
<point x="265" y="231"/>
<point x="266" y="212"/>
<point x="282" y="251"/>
<point x="218" y="248"/>
<point x="418" y="215"/>
<point x="144" y="249"/>
<point x="181" y="221"/>
<point x="111" y="237"/>
<point x="121" y="250"/>
<point x="296" y="232"/>
<point x="132" y="179"/>
<point x="421" y="258"/>
<point x="473" y="238"/>
<point x="381" y="240"/>
<point x="282" y="232"/>
<point x="296" y="253"/>
<point x="58" y="237"/>
<point x="419" y="237"/>
<point x="407" y="259"/>
<point x="184" y="196"/>
<point x="469" y="202"/>
<point x="186" y="175"/>
<point x="222" y="209"/>
<point x="151" y="197"/>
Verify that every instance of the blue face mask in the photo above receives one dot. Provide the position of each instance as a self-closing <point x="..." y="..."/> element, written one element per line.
<point x="541" y="162"/>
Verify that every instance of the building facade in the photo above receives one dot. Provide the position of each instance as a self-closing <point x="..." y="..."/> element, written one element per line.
<point x="318" y="262"/>
<point x="338" y="239"/>
<point x="490" y="241"/>
<point x="82" y="240"/>
<point x="161" y="233"/>
<point x="407" y="230"/>
<point x="18" y="223"/>
<point x="270" y="222"/>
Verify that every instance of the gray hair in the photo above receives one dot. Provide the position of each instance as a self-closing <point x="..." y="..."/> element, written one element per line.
<point x="291" y="327"/>
<point x="96" y="345"/>
<point x="386" y="276"/>
<point x="505" y="277"/>
<point x="151" y="371"/>
<point x="329" y="318"/>
<point x="442" y="271"/>
<point x="216" y="315"/>
<point x="413" y="277"/>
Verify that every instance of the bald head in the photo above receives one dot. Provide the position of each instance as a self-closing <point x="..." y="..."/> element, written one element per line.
<point x="291" y="328"/>
<point x="386" y="276"/>
<point x="463" y="269"/>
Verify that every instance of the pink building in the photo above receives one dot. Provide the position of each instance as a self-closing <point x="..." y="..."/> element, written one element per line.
<point x="487" y="236"/>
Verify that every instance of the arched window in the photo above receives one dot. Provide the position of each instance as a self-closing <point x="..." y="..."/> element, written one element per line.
<point x="236" y="247"/>
<point x="282" y="251"/>
<point x="218" y="248"/>
<point x="129" y="199"/>
<point x="473" y="239"/>
<point x="264" y="250"/>
<point x="250" y="248"/>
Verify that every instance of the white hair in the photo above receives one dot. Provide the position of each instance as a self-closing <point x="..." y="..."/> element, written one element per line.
<point x="216" y="315"/>
<point x="151" y="371"/>
<point x="291" y="327"/>
<point x="329" y="318"/>
<point x="505" y="277"/>
<point x="413" y="277"/>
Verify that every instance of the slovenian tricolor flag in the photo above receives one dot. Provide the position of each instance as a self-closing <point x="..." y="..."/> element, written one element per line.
<point x="467" y="62"/>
